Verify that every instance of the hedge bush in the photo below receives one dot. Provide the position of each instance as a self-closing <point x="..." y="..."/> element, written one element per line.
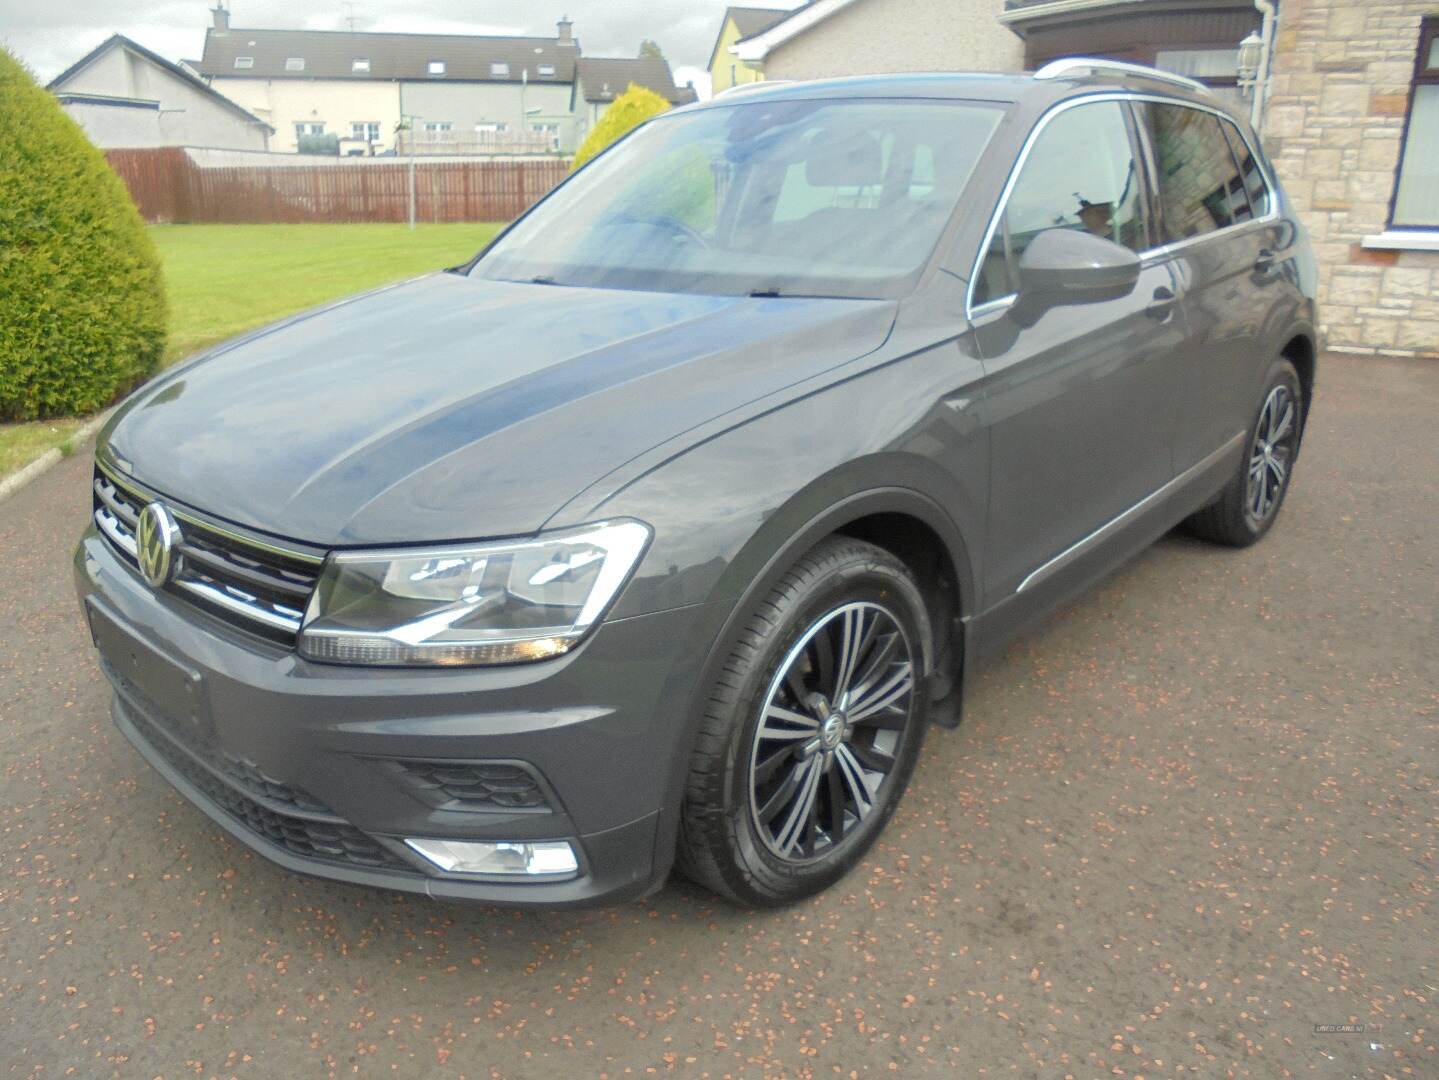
<point x="82" y="307"/>
<point x="626" y="112"/>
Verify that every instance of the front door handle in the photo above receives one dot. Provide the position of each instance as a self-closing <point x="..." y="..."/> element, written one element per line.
<point x="1264" y="263"/>
<point x="1162" y="304"/>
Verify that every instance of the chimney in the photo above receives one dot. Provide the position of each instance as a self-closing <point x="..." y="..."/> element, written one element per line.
<point x="222" y="17"/>
<point x="567" y="30"/>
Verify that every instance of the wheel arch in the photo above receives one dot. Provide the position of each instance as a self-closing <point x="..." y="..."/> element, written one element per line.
<point x="896" y="518"/>
<point x="1300" y="350"/>
<point x="904" y="521"/>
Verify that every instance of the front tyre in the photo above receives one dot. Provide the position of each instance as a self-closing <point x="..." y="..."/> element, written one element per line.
<point x="811" y="731"/>
<point x="1250" y="502"/>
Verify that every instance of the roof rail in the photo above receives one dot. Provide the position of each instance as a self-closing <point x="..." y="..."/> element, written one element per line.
<point x="748" y="88"/>
<point x="1075" y="65"/>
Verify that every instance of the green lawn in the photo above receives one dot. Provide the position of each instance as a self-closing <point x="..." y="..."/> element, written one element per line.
<point x="222" y="280"/>
<point x="225" y="279"/>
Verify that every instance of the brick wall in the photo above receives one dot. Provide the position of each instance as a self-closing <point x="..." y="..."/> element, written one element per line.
<point x="1333" y="126"/>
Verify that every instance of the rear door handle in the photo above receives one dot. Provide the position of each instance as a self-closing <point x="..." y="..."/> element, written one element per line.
<point x="1264" y="262"/>
<point x="1162" y="304"/>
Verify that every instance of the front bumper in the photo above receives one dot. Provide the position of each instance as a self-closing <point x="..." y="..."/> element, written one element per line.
<point x="326" y="770"/>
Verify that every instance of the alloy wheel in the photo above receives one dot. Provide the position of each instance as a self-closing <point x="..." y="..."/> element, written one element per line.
<point x="1271" y="453"/>
<point x="831" y="731"/>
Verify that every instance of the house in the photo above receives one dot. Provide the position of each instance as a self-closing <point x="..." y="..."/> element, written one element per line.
<point x="599" y="80"/>
<point x="460" y="92"/>
<point x="1352" y="124"/>
<point x="726" y="69"/>
<point x="1350" y="120"/>
<point x="126" y="96"/>
<point x="856" y="37"/>
<point x="1197" y="38"/>
<point x="455" y="93"/>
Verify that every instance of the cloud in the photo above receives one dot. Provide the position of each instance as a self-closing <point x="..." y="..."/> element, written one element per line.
<point x="50" y="37"/>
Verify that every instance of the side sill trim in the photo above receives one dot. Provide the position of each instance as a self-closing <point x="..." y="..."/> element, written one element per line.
<point x="1114" y="525"/>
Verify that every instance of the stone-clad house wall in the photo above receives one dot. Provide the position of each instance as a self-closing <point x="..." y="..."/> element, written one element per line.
<point x="1342" y="73"/>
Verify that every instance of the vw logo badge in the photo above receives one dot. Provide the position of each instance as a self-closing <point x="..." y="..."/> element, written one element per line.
<point x="156" y="535"/>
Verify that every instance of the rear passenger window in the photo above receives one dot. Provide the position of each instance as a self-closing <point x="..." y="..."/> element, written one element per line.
<point x="1199" y="185"/>
<point x="1080" y="174"/>
<point x="1249" y="171"/>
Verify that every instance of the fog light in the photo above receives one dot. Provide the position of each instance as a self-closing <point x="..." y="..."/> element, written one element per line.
<point x="509" y="859"/>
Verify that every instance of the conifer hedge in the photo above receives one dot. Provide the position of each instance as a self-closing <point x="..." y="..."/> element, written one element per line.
<point x="82" y="307"/>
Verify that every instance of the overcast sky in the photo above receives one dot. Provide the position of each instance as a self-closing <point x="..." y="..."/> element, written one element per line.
<point x="49" y="36"/>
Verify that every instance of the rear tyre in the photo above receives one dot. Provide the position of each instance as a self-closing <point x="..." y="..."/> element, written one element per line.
<point x="1250" y="502"/>
<point x="811" y="730"/>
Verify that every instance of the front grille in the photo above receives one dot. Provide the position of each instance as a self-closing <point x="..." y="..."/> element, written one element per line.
<point x="483" y="785"/>
<point x="295" y="821"/>
<point x="251" y="584"/>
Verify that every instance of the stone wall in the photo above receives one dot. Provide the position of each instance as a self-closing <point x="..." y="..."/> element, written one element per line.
<point x="1333" y="126"/>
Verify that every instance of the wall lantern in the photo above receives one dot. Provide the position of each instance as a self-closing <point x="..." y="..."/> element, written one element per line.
<point x="1250" y="56"/>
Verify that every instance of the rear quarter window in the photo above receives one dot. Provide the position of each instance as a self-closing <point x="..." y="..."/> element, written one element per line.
<point x="1200" y="188"/>
<point x="1249" y="170"/>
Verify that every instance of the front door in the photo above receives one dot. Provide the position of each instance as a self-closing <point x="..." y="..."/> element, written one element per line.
<point x="1079" y="398"/>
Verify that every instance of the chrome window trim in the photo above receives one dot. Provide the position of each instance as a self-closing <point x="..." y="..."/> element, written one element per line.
<point x="126" y="483"/>
<point x="971" y="309"/>
<point x="1114" y="524"/>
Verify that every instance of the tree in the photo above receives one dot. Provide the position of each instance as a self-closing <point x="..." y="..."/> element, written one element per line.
<point x="651" y="49"/>
<point x="626" y="112"/>
<point x="82" y="305"/>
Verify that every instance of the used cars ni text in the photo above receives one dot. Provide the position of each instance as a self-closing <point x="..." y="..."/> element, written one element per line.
<point x="658" y="534"/>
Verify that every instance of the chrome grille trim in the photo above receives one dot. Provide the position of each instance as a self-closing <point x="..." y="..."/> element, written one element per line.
<point x="145" y="495"/>
<point x="119" y="534"/>
<point x="236" y="578"/>
<point x="231" y="600"/>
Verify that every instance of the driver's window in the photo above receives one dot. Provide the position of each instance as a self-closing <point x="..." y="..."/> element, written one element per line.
<point x="1080" y="174"/>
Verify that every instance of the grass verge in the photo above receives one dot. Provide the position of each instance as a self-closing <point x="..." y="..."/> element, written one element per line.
<point x="21" y="444"/>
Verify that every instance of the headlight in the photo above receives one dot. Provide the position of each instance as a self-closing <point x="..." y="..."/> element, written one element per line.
<point x="486" y="604"/>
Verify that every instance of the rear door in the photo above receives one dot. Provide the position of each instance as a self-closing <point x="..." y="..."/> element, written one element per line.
<point x="1079" y="399"/>
<point x="1218" y="231"/>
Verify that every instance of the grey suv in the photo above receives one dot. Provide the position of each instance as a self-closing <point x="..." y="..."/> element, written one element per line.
<point x="658" y="534"/>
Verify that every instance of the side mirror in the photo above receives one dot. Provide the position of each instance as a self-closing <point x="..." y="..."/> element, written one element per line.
<point x="1068" y="266"/>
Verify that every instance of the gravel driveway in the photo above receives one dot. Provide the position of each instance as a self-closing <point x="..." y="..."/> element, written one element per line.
<point x="1184" y="824"/>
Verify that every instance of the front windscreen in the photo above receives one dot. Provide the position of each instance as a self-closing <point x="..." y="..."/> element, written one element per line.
<point x="813" y="198"/>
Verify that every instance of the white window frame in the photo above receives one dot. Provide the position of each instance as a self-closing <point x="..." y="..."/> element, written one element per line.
<point x="1425" y="80"/>
<point x="499" y="69"/>
<point x="436" y="67"/>
<point x="294" y="63"/>
<point x="546" y="71"/>
<point x="360" y="65"/>
<point x="244" y="63"/>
